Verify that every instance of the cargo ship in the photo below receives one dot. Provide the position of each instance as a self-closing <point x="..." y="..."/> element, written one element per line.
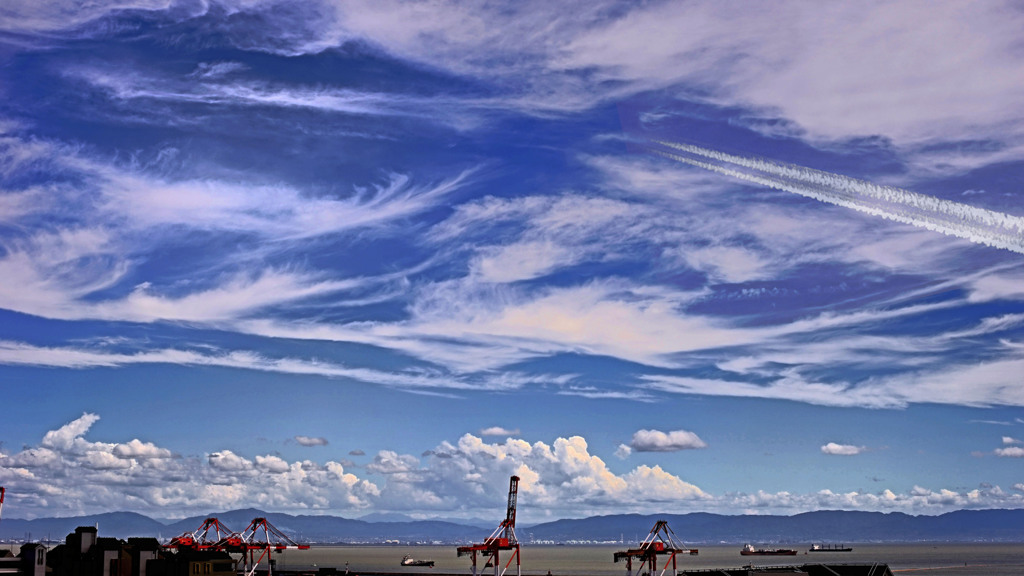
<point x="829" y="548"/>
<point x="749" y="550"/>
<point x="408" y="561"/>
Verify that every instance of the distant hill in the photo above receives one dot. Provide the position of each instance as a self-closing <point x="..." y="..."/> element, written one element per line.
<point x="696" y="528"/>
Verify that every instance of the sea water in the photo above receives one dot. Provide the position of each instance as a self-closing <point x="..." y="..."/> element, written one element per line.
<point x="537" y="560"/>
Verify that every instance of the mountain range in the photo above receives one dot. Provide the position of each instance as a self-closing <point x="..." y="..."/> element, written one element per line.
<point x="695" y="528"/>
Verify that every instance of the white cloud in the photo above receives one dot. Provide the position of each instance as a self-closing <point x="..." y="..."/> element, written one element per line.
<point x="850" y="84"/>
<point x="623" y="452"/>
<point x="464" y="478"/>
<point x="854" y="85"/>
<point x="842" y="449"/>
<point x="311" y="440"/>
<point x="988" y="383"/>
<point x="65" y="437"/>
<point x="118" y="215"/>
<point x="18" y="353"/>
<point x="523" y="261"/>
<point x="499" y="431"/>
<point x="615" y="318"/>
<point x="26" y="15"/>
<point x="272" y="464"/>
<point x="657" y="441"/>
<point x="228" y="461"/>
<point x="1011" y="452"/>
<point x="998" y="285"/>
<point x="727" y="263"/>
<point x="140" y="450"/>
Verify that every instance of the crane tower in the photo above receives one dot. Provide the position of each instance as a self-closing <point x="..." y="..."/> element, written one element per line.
<point x="661" y="541"/>
<point x="503" y="538"/>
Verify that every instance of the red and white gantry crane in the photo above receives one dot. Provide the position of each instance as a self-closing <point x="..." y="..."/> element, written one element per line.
<point x="503" y="538"/>
<point x="660" y="542"/>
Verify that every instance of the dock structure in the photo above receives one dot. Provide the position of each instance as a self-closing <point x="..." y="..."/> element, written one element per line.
<point x="503" y="538"/>
<point x="872" y="569"/>
<point x="660" y="541"/>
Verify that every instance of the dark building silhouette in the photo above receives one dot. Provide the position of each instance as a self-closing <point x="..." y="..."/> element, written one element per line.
<point x="85" y="553"/>
<point x="193" y="563"/>
<point x="30" y="561"/>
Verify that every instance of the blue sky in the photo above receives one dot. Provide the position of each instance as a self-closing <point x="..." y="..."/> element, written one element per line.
<point x="353" y="257"/>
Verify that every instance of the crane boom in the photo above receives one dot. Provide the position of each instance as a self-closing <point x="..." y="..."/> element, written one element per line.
<point x="510" y="513"/>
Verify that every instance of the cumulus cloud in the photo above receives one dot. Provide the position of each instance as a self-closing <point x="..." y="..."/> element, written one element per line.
<point x="67" y="435"/>
<point x="657" y="441"/>
<point x="1011" y="440"/>
<point x="311" y="440"/>
<point x="623" y="451"/>
<point x="464" y="478"/>
<point x="140" y="450"/>
<point x="1011" y="452"/>
<point x="70" y="474"/>
<point x="841" y="449"/>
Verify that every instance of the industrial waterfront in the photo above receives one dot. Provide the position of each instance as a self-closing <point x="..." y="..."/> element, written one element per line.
<point x="932" y="559"/>
<point x="948" y="559"/>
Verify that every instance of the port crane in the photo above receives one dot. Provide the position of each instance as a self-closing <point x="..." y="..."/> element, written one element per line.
<point x="201" y="538"/>
<point x="661" y="541"/>
<point x="503" y="538"/>
<point x="250" y="541"/>
<point x="260" y="536"/>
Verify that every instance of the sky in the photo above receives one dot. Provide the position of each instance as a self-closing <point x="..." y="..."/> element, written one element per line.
<point x="375" y="257"/>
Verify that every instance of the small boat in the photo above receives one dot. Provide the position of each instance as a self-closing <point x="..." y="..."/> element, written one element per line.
<point x="408" y="561"/>
<point x="830" y="548"/>
<point x="749" y="550"/>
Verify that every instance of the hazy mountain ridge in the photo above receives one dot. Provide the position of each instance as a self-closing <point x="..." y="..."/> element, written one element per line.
<point x="694" y="528"/>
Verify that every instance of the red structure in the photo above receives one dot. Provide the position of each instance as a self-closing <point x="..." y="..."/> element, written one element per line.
<point x="660" y="542"/>
<point x="503" y="538"/>
<point x="2" y="491"/>
<point x="201" y="540"/>
<point x="260" y="536"/>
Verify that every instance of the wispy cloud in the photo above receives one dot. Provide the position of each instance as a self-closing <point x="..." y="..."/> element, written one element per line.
<point x="311" y="440"/>
<point x="990" y="383"/>
<point x="122" y="215"/>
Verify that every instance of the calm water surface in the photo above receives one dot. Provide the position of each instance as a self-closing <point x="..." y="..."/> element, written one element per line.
<point x="909" y="559"/>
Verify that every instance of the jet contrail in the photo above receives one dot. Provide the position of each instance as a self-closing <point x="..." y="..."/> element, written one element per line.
<point x="953" y="218"/>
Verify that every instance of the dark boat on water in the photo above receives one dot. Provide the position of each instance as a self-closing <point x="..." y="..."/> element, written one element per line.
<point x="749" y="550"/>
<point x="829" y="548"/>
<point x="408" y="561"/>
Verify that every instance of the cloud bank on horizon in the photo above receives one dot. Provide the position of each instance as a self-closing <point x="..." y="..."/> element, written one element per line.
<point x="561" y="478"/>
<point x="410" y="241"/>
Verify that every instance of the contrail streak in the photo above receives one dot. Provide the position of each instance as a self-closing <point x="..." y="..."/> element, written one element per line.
<point x="953" y="218"/>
